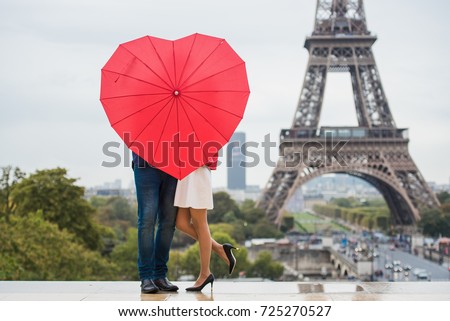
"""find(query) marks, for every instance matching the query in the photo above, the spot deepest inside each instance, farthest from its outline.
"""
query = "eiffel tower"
(375, 150)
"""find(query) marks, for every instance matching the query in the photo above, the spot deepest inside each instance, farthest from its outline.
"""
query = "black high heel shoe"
(209, 279)
(227, 247)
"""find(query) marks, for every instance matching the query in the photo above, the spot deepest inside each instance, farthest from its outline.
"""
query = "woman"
(193, 197)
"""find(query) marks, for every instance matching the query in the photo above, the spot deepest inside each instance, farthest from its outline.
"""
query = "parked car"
(407, 267)
(416, 271)
(422, 276)
(388, 266)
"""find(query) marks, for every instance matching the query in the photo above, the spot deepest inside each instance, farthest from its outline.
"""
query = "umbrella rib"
(134, 95)
(178, 127)
(174, 62)
(141, 80)
(149, 124)
(206, 120)
(168, 85)
(165, 124)
(216, 91)
(188, 57)
(217, 73)
(213, 106)
(204, 60)
(190, 122)
(162, 62)
(138, 111)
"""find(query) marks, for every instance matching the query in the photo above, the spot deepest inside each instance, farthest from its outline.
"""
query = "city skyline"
(51, 114)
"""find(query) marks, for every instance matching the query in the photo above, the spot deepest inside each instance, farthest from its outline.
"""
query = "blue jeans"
(155, 191)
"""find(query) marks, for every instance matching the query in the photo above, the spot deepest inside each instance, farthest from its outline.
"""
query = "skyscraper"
(235, 155)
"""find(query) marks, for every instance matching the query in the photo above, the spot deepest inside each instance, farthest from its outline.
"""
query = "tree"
(265, 230)
(34, 249)
(443, 197)
(223, 204)
(382, 222)
(256, 222)
(174, 265)
(125, 256)
(250, 213)
(8, 180)
(190, 261)
(435, 222)
(445, 208)
(60, 201)
(235, 230)
(287, 223)
(342, 202)
(115, 212)
(265, 267)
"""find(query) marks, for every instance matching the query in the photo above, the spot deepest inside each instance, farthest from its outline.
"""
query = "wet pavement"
(227, 291)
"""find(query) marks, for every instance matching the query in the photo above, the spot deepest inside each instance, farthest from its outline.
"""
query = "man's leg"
(147, 192)
(166, 225)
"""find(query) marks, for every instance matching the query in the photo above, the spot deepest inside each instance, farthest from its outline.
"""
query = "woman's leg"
(200, 224)
(184, 225)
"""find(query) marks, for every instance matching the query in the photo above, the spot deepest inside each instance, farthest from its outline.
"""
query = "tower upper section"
(334, 17)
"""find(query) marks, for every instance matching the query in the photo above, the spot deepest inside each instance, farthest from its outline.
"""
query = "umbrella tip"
(176, 92)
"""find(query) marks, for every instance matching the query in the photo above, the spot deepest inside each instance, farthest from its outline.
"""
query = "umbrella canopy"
(175, 103)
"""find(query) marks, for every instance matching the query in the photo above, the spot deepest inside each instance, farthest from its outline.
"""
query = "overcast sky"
(52, 52)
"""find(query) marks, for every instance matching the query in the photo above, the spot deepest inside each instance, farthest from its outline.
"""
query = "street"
(435, 271)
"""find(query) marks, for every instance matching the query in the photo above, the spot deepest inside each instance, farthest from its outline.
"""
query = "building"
(252, 192)
(236, 156)
(109, 189)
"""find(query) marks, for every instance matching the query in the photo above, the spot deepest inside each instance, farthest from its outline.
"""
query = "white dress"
(195, 190)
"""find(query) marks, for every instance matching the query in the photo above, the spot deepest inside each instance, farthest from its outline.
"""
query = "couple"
(166, 202)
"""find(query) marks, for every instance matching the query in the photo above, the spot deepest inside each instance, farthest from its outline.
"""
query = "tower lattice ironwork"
(375, 150)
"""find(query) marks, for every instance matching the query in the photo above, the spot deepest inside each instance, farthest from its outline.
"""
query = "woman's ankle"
(203, 276)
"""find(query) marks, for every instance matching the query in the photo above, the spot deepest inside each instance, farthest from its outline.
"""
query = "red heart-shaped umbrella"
(175, 103)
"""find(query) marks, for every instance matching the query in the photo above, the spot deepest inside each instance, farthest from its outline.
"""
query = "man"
(155, 191)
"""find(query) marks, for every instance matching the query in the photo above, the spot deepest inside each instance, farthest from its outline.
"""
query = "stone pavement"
(227, 290)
